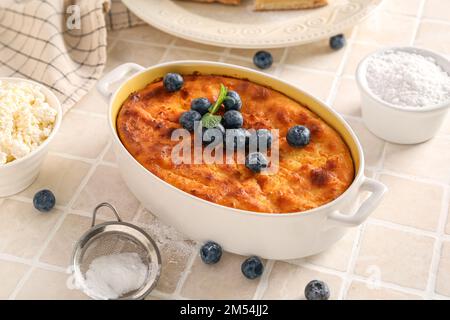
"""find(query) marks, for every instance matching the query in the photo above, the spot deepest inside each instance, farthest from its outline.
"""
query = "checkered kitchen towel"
(120, 17)
(59, 43)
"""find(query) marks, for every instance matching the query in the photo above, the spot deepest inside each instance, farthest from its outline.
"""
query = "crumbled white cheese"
(26, 119)
(407, 79)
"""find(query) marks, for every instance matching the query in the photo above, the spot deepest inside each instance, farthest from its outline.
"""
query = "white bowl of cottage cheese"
(405, 93)
(30, 116)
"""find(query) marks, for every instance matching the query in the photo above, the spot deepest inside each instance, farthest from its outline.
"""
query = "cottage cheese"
(26, 120)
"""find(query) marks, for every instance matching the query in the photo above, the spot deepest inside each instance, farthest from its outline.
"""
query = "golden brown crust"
(288, 4)
(307, 178)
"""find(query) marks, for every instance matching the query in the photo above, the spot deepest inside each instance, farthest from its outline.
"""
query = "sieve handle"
(101, 205)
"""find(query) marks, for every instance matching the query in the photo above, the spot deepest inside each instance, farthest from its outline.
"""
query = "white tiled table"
(406, 242)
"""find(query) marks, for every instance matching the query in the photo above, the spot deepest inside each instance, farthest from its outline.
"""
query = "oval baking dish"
(271, 236)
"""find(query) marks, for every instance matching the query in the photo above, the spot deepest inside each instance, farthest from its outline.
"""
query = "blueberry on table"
(201, 105)
(211, 252)
(298, 136)
(264, 138)
(317, 290)
(173, 82)
(233, 119)
(188, 119)
(44, 200)
(263, 59)
(232, 101)
(210, 135)
(252, 268)
(256, 162)
(337, 42)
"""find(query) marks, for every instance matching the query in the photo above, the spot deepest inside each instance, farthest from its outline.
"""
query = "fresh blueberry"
(256, 162)
(232, 101)
(252, 268)
(298, 136)
(264, 138)
(233, 119)
(201, 105)
(173, 82)
(337, 42)
(317, 290)
(263, 59)
(210, 135)
(188, 119)
(44, 200)
(210, 252)
(236, 139)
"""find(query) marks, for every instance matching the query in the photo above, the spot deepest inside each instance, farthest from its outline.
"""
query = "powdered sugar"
(168, 237)
(407, 79)
(112, 276)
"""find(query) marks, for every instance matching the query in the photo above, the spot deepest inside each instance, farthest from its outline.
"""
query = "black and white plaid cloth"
(59, 43)
(120, 17)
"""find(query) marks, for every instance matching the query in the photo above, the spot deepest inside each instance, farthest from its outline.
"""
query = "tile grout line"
(345, 286)
(424, 180)
(225, 55)
(89, 113)
(390, 286)
(111, 46)
(440, 297)
(437, 21)
(30, 263)
(353, 277)
(307, 69)
(264, 282)
(109, 164)
(402, 228)
(187, 271)
(437, 249)
(57, 225)
(160, 295)
(340, 70)
(282, 63)
(171, 44)
(169, 47)
(72, 157)
(358, 241)
(419, 18)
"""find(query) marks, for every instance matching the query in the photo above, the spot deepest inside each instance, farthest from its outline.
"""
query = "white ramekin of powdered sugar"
(405, 93)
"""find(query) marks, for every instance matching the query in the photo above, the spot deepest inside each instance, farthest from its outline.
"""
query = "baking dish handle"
(116, 75)
(377, 190)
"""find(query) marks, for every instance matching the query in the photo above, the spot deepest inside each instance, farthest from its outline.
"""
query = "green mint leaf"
(222, 96)
(210, 121)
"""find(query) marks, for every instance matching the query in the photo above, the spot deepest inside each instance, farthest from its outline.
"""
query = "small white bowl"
(19, 174)
(397, 124)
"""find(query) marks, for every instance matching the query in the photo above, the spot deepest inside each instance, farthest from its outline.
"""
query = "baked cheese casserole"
(307, 178)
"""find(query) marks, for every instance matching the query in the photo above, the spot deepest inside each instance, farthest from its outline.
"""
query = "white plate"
(241, 27)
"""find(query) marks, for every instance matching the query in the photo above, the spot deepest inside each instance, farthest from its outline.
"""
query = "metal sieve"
(113, 238)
